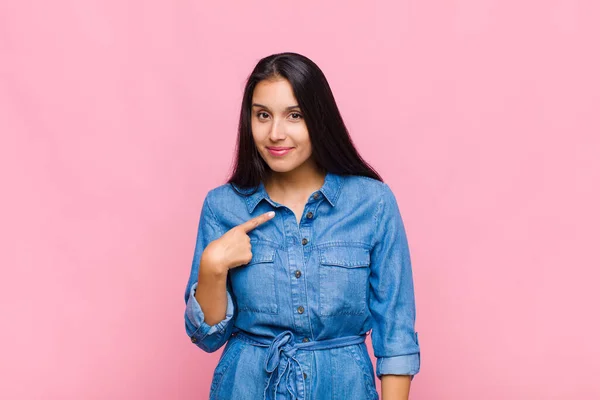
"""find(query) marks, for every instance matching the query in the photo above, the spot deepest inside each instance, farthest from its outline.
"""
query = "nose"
(277, 132)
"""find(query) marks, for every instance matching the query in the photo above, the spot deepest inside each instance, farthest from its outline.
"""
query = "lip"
(279, 151)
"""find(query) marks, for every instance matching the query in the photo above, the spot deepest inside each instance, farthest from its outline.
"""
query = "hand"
(233, 248)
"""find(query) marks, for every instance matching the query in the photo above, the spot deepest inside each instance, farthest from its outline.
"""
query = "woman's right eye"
(261, 113)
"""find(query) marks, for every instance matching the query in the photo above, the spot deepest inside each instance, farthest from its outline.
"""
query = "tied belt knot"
(281, 364)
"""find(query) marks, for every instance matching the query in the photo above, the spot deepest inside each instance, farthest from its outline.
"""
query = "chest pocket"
(343, 280)
(254, 282)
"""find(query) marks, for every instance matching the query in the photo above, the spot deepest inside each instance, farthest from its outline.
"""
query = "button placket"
(296, 265)
(305, 230)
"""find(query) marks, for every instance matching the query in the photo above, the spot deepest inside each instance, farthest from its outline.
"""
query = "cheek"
(305, 141)
(299, 133)
(306, 149)
(258, 131)
(308, 152)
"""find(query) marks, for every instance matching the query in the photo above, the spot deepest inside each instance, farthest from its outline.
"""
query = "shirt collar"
(330, 190)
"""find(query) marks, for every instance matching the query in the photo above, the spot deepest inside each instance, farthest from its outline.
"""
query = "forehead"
(274, 92)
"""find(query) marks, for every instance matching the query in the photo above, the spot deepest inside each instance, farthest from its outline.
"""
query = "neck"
(293, 184)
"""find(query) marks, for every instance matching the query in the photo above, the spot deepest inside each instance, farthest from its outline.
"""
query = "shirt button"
(305, 339)
(300, 310)
(298, 274)
(194, 340)
(304, 375)
(309, 215)
(304, 241)
(316, 196)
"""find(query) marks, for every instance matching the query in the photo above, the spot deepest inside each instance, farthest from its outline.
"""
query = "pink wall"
(117, 117)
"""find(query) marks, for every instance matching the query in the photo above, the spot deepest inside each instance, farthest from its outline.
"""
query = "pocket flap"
(262, 254)
(345, 256)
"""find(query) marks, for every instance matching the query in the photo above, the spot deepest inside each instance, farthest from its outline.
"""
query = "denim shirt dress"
(299, 311)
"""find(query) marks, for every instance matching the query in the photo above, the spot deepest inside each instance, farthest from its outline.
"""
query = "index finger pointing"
(256, 221)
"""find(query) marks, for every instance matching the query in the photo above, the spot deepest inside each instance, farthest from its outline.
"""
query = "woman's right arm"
(209, 312)
(211, 292)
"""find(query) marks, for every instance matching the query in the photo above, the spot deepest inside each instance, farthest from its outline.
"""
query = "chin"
(283, 167)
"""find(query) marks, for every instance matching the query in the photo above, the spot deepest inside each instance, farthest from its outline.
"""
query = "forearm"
(395, 387)
(211, 292)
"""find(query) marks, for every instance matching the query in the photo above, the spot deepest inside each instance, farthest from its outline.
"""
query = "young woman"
(301, 254)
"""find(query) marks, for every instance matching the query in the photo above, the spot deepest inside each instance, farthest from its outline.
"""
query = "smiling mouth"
(279, 151)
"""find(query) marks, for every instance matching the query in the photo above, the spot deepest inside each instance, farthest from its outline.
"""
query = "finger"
(256, 221)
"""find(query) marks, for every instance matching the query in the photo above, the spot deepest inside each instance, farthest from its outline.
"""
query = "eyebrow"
(287, 108)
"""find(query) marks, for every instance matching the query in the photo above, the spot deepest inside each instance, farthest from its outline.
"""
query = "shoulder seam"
(378, 213)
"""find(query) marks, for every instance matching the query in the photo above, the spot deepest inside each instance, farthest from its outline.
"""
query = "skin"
(395, 387)
(276, 121)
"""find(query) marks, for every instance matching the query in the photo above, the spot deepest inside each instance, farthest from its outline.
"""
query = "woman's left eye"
(298, 114)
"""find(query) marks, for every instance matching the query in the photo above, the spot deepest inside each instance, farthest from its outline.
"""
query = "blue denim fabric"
(298, 312)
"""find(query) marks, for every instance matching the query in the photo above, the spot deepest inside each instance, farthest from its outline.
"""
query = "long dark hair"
(332, 148)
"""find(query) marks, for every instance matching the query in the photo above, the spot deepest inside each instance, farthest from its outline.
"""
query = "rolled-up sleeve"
(207, 337)
(392, 298)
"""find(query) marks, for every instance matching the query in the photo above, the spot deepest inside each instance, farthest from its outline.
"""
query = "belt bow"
(280, 365)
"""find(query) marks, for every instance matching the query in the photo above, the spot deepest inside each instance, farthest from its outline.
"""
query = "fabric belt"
(281, 365)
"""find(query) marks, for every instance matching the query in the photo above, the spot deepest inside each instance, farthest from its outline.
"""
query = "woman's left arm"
(395, 387)
(392, 301)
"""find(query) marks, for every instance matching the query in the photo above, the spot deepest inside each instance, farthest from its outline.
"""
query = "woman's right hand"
(233, 248)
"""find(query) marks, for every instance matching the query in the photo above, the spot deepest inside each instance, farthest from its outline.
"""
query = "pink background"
(117, 117)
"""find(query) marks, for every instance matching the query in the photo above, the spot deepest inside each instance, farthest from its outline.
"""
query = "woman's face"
(278, 126)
